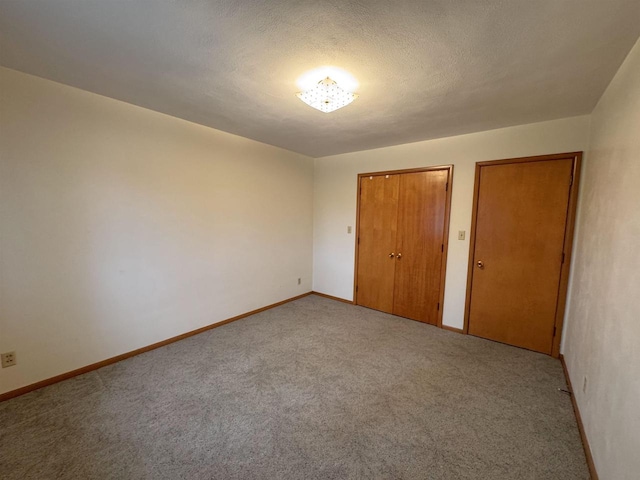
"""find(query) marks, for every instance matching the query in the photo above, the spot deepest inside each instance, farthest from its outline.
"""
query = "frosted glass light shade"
(327, 96)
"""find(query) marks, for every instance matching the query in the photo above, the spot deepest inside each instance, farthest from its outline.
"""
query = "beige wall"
(335, 196)
(602, 341)
(121, 227)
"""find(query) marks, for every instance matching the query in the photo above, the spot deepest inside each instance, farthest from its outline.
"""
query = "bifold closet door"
(377, 241)
(401, 230)
(420, 244)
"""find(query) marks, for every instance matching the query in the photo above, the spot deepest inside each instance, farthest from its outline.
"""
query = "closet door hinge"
(571, 180)
(554, 331)
(442, 247)
(562, 257)
(438, 306)
(446, 187)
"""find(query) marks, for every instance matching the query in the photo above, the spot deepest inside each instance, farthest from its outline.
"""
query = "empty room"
(320, 239)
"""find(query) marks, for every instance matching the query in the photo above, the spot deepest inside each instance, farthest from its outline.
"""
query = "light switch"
(461, 234)
(349, 229)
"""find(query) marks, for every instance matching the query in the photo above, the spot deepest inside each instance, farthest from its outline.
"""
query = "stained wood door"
(521, 219)
(377, 241)
(420, 245)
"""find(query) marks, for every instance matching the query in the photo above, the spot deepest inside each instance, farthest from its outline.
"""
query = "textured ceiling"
(427, 69)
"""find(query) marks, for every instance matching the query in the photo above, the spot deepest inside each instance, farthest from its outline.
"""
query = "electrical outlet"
(349, 229)
(461, 234)
(8, 359)
(299, 281)
(584, 385)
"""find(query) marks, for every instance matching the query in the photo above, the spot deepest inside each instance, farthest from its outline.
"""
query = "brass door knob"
(391, 255)
(480, 264)
(399, 256)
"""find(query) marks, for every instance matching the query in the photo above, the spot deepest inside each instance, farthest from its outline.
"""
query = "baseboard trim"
(453, 329)
(338, 299)
(583, 435)
(94, 366)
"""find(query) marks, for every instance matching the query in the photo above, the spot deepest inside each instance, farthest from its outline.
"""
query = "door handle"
(391, 255)
(399, 256)
(480, 264)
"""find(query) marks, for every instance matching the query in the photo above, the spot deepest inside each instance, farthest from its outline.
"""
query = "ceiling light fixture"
(327, 96)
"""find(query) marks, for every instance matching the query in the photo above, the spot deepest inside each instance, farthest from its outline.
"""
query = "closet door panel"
(377, 241)
(421, 226)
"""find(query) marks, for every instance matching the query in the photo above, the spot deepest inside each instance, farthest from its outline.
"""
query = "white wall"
(335, 196)
(121, 227)
(602, 341)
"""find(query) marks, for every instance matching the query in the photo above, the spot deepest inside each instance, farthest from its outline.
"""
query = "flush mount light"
(327, 96)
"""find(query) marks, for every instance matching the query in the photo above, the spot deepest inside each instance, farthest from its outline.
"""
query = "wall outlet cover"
(8, 359)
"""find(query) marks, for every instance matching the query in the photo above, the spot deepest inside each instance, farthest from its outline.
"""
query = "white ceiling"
(427, 69)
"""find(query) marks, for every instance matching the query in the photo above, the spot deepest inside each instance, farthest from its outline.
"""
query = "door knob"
(391, 255)
(480, 264)
(399, 256)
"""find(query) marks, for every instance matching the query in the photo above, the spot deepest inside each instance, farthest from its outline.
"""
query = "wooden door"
(520, 225)
(420, 246)
(377, 241)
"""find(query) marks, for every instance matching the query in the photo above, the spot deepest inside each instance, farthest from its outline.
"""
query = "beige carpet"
(314, 389)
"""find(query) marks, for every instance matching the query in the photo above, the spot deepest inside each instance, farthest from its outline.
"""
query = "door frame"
(447, 215)
(576, 157)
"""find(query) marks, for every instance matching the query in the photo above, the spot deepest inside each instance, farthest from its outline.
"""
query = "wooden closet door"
(377, 241)
(521, 219)
(421, 227)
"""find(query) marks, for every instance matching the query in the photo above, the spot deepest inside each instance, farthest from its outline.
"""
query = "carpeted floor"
(313, 389)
